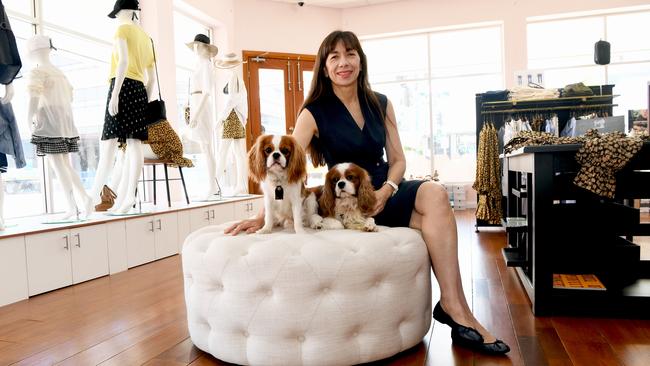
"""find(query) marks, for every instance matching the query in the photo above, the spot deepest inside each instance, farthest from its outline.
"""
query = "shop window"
(433, 93)
(565, 50)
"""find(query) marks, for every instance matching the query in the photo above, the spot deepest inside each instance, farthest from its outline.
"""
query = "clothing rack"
(498, 112)
(550, 109)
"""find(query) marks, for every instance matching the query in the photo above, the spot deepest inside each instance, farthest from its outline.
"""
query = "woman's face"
(342, 66)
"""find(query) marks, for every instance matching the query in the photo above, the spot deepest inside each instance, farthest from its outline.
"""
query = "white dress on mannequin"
(237, 103)
(201, 127)
(53, 130)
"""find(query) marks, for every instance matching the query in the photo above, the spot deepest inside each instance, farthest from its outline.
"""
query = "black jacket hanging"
(10, 63)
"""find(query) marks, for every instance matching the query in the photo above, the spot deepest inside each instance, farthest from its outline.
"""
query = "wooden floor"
(138, 317)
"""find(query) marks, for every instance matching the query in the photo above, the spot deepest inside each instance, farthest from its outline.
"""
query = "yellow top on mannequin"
(140, 52)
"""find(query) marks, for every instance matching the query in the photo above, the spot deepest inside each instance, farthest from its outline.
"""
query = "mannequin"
(201, 126)
(53, 130)
(127, 100)
(233, 119)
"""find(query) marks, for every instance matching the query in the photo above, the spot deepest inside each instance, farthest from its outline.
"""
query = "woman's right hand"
(249, 226)
(113, 105)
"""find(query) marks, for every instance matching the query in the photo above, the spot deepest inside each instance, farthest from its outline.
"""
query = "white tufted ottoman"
(337, 297)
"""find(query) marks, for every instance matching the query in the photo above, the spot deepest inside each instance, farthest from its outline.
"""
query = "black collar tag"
(279, 193)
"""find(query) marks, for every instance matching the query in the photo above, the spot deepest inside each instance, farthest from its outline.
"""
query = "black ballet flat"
(469, 337)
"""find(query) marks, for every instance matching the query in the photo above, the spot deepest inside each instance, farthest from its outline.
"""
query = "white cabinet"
(89, 253)
(140, 236)
(246, 209)
(60, 258)
(13, 270)
(166, 235)
(184, 227)
(117, 253)
(211, 215)
(150, 238)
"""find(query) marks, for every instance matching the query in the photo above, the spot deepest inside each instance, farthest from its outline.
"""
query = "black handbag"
(156, 110)
(10, 63)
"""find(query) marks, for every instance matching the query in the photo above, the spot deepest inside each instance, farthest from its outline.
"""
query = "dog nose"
(341, 185)
(276, 155)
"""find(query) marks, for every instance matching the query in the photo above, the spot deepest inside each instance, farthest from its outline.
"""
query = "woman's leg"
(434, 216)
(107, 150)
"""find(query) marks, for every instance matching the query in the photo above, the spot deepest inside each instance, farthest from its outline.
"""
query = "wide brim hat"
(39, 42)
(204, 40)
(124, 4)
(228, 61)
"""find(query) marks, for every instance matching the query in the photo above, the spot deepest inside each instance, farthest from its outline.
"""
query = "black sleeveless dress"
(341, 141)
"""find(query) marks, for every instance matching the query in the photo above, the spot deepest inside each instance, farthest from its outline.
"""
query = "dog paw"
(370, 227)
(300, 231)
(264, 230)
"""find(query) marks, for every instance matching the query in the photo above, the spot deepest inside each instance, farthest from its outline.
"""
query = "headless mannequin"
(9, 94)
(60, 163)
(235, 87)
(200, 120)
(133, 160)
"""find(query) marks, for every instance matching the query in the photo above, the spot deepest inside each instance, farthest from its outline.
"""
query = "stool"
(336, 297)
(153, 163)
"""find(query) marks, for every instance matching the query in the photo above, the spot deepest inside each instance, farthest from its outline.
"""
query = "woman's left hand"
(382, 195)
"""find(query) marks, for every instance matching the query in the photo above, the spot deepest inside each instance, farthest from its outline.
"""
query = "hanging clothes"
(10, 143)
(236, 110)
(600, 157)
(488, 177)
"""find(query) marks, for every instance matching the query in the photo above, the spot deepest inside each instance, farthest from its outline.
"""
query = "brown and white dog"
(279, 164)
(348, 199)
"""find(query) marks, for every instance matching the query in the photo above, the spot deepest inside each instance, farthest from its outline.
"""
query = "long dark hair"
(322, 86)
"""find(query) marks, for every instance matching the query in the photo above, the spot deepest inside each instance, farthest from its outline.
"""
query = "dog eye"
(349, 177)
(268, 150)
(285, 151)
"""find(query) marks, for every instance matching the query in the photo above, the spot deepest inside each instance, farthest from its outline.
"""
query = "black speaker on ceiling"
(602, 52)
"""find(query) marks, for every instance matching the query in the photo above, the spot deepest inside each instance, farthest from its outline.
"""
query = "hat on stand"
(124, 4)
(38, 42)
(204, 40)
(228, 61)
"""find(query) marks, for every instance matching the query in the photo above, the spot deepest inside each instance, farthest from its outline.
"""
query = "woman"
(343, 120)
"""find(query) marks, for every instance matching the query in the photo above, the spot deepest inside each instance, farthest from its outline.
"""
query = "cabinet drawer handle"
(212, 213)
(159, 225)
(207, 218)
(78, 236)
(67, 243)
(151, 223)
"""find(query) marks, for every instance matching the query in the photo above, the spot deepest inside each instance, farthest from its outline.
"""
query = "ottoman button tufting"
(319, 285)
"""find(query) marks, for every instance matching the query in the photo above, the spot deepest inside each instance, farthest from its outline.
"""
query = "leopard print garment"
(232, 127)
(600, 157)
(488, 177)
(166, 144)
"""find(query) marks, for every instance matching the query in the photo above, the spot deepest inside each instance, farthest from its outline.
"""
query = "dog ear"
(327, 200)
(257, 161)
(297, 163)
(366, 194)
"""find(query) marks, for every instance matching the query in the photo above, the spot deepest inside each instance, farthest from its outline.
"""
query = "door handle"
(299, 78)
(78, 236)
(67, 243)
(289, 74)
(159, 225)
(151, 223)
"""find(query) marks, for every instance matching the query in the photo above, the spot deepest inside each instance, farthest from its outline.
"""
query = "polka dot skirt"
(130, 121)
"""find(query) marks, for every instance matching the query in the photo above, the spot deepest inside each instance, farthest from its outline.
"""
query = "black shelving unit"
(562, 229)
(498, 112)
